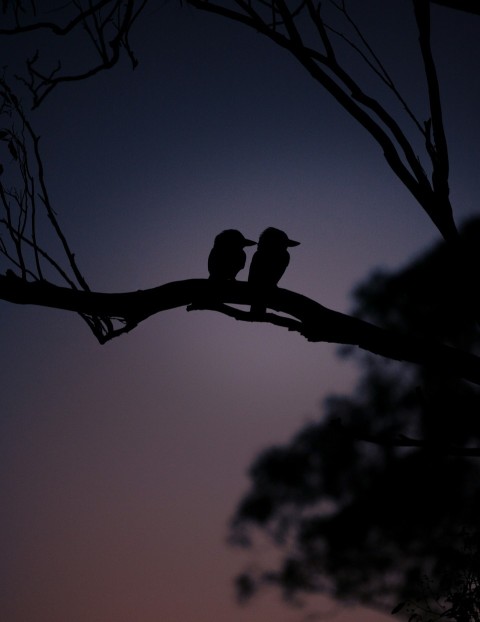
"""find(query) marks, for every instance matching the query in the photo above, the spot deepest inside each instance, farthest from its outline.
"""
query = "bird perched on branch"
(268, 264)
(227, 256)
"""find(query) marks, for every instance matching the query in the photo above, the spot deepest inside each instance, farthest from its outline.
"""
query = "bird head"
(275, 238)
(233, 237)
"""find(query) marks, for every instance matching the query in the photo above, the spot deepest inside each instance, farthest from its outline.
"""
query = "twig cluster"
(106, 24)
(29, 228)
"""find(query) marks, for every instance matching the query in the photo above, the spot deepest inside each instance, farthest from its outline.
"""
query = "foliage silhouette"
(362, 520)
(457, 597)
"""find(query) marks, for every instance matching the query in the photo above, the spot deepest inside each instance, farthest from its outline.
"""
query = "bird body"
(269, 263)
(227, 256)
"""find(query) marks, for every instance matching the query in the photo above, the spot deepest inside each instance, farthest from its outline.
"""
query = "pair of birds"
(269, 262)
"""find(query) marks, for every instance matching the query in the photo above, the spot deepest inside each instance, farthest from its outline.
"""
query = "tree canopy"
(375, 494)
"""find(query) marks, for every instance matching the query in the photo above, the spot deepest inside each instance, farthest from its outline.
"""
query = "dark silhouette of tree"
(356, 517)
(373, 496)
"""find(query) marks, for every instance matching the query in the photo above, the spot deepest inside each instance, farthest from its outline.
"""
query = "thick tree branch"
(314, 321)
(401, 440)
(446, 450)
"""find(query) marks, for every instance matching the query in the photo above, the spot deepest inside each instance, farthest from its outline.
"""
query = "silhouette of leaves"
(365, 521)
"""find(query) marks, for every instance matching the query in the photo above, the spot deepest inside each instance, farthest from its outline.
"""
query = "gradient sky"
(121, 464)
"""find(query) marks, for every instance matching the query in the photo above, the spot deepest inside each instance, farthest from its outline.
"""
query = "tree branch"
(55, 27)
(401, 440)
(365, 109)
(23, 189)
(312, 320)
(438, 150)
(470, 6)
(107, 24)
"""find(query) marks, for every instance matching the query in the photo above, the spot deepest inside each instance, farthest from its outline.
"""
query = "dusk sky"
(121, 465)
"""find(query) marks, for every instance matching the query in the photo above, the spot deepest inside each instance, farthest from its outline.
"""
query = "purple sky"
(121, 464)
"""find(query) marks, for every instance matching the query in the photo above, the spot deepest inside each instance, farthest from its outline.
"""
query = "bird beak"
(292, 243)
(249, 242)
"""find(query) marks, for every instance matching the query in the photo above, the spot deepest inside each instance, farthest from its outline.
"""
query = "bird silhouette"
(227, 256)
(268, 264)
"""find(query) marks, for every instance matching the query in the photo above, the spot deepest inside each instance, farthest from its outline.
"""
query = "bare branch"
(314, 321)
(246, 316)
(54, 27)
(26, 192)
(107, 25)
(365, 109)
(377, 65)
(438, 150)
(469, 6)
(315, 16)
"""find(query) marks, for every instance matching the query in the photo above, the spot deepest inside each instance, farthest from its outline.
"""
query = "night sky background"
(120, 465)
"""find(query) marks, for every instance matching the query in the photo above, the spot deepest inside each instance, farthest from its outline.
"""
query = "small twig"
(247, 316)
